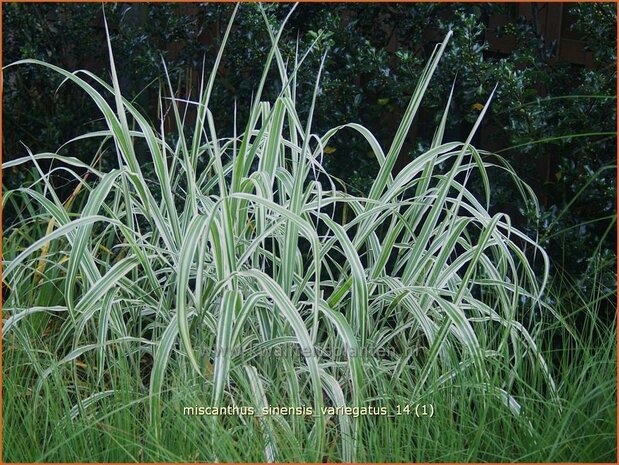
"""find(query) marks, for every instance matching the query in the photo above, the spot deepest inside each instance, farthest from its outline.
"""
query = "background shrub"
(375, 54)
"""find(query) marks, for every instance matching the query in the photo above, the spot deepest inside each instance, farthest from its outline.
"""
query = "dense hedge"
(375, 53)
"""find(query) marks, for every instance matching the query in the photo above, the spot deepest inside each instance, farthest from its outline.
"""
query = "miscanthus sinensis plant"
(204, 276)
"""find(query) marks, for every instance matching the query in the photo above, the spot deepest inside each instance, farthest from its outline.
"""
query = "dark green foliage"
(375, 53)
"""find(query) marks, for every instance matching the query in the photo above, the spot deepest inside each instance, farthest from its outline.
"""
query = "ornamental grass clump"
(207, 278)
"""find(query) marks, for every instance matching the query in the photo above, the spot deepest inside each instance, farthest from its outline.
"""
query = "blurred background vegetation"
(553, 116)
